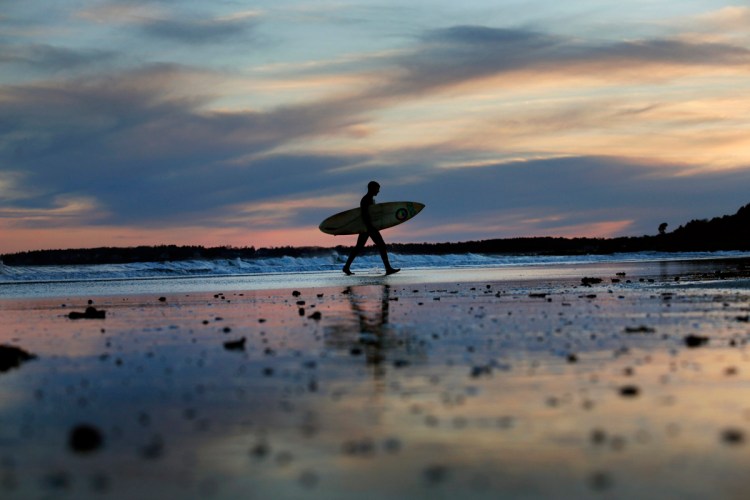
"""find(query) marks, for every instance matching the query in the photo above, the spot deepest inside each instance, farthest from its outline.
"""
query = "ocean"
(311, 271)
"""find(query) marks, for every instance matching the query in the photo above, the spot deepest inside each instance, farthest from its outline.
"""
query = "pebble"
(695, 340)
(85, 438)
(91, 312)
(12, 357)
(629, 391)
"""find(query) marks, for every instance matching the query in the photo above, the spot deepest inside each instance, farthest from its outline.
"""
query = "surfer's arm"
(364, 206)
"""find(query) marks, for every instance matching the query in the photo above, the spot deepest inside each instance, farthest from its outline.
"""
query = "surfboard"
(382, 215)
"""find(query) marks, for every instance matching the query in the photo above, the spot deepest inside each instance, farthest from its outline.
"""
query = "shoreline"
(648, 269)
(526, 386)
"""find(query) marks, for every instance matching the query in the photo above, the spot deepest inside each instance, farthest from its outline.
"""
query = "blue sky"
(126, 122)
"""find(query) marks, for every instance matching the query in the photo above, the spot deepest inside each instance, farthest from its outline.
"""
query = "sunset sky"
(128, 122)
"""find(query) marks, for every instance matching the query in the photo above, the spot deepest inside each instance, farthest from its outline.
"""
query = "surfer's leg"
(361, 241)
(380, 243)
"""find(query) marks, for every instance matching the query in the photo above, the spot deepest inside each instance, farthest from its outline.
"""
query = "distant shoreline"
(727, 233)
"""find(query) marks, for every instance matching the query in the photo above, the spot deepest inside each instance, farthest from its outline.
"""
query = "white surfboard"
(382, 215)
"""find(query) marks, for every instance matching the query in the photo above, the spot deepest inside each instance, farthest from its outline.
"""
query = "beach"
(613, 380)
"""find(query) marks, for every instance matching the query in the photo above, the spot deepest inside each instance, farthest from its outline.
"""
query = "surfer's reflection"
(368, 333)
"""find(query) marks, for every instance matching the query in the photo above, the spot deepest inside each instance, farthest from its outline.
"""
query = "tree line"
(729, 232)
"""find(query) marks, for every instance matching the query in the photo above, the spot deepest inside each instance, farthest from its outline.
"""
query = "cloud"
(49, 57)
(149, 152)
(198, 30)
(455, 55)
(147, 147)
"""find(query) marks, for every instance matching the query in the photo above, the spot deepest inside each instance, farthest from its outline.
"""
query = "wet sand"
(402, 387)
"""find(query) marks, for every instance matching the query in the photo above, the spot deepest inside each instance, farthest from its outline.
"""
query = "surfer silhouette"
(373, 188)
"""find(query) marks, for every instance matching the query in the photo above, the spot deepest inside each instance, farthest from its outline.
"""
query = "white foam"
(326, 262)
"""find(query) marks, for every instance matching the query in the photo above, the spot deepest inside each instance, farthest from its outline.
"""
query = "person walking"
(373, 188)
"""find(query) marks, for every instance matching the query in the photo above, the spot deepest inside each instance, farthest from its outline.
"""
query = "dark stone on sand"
(300, 302)
(629, 391)
(392, 445)
(733, 436)
(301, 311)
(355, 351)
(235, 345)
(590, 281)
(537, 295)
(572, 358)
(316, 315)
(743, 319)
(226, 329)
(401, 363)
(296, 293)
(598, 436)
(695, 340)
(478, 371)
(90, 313)
(162, 299)
(364, 447)
(12, 357)
(600, 481)
(308, 479)
(85, 438)
(435, 474)
(260, 450)
(639, 329)
(154, 449)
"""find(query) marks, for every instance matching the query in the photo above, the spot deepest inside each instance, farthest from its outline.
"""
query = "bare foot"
(390, 271)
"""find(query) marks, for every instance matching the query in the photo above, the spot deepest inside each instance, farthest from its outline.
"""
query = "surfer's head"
(373, 188)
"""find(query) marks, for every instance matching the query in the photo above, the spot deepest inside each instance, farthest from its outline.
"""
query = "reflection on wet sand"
(479, 390)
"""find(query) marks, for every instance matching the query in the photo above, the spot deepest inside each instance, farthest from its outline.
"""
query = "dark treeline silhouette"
(730, 232)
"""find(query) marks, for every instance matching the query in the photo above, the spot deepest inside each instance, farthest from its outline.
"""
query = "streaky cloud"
(459, 54)
(198, 31)
(51, 58)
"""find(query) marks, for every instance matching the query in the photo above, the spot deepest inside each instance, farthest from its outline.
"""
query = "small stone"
(162, 299)
(90, 313)
(435, 474)
(639, 329)
(316, 315)
(629, 391)
(235, 345)
(600, 481)
(590, 281)
(85, 438)
(733, 436)
(12, 357)
(695, 340)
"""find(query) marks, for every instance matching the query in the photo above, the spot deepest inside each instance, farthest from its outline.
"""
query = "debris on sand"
(12, 357)
(733, 436)
(639, 329)
(85, 438)
(90, 313)
(629, 391)
(235, 345)
(590, 281)
(695, 340)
